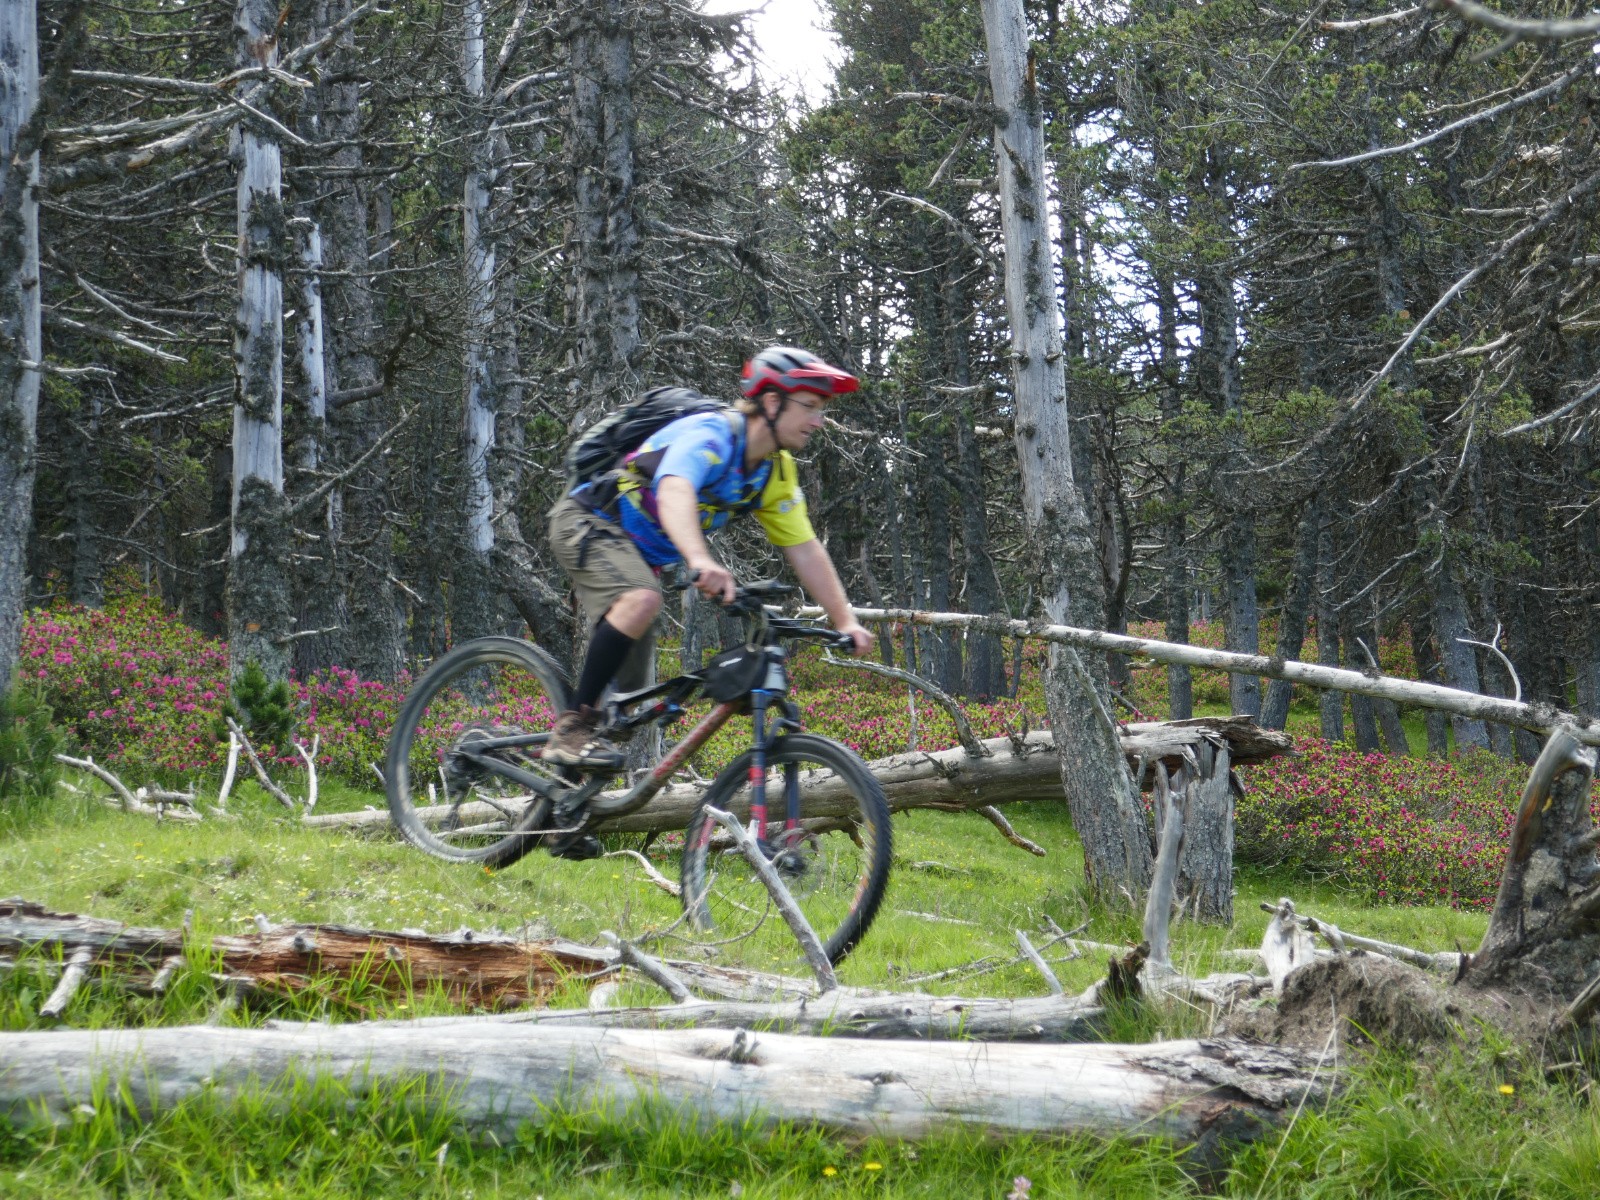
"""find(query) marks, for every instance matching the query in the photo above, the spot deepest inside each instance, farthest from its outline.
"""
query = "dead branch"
(810, 944)
(105, 776)
(992, 814)
(1039, 965)
(310, 757)
(1342, 941)
(1517, 27)
(1404, 691)
(969, 740)
(276, 792)
(71, 980)
(228, 775)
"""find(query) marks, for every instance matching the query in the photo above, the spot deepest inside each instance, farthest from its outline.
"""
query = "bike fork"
(758, 765)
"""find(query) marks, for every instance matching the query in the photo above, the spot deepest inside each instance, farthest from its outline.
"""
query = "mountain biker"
(613, 534)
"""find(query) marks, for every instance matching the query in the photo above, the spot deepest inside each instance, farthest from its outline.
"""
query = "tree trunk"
(1105, 808)
(259, 596)
(321, 596)
(1362, 717)
(951, 780)
(1221, 386)
(606, 322)
(1330, 704)
(1544, 929)
(1292, 619)
(1175, 556)
(472, 595)
(374, 637)
(1458, 661)
(1428, 670)
(985, 674)
(88, 582)
(1206, 864)
(21, 342)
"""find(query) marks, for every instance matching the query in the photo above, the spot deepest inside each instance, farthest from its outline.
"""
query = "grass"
(1442, 1128)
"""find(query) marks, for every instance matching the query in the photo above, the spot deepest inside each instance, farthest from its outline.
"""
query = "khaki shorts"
(603, 563)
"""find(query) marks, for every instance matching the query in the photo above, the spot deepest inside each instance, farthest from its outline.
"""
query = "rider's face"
(798, 419)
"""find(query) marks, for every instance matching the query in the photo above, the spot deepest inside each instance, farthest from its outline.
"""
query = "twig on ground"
(655, 876)
(1039, 965)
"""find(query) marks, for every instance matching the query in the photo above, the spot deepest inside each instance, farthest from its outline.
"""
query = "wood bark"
(259, 607)
(21, 344)
(1206, 880)
(372, 644)
(501, 1076)
(602, 132)
(1175, 555)
(1544, 929)
(472, 598)
(1105, 808)
(1221, 386)
(1292, 618)
(985, 673)
(1012, 771)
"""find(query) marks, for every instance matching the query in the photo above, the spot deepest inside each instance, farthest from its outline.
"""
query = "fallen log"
(842, 1012)
(491, 970)
(1014, 769)
(500, 1076)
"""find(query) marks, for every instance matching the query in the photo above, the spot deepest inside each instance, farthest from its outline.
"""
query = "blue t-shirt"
(706, 449)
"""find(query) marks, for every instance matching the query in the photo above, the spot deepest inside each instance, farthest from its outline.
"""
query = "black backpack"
(603, 445)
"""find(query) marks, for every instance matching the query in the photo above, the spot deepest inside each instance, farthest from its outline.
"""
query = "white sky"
(797, 56)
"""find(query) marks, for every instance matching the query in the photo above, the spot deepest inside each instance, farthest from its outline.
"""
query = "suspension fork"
(760, 743)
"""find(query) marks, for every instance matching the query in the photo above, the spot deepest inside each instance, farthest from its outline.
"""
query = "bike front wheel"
(488, 703)
(835, 865)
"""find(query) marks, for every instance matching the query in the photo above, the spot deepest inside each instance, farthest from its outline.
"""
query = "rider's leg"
(621, 596)
(625, 622)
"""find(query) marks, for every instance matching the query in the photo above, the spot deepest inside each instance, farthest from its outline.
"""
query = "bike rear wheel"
(492, 700)
(836, 865)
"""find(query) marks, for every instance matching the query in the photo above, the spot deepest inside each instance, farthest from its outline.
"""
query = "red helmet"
(790, 370)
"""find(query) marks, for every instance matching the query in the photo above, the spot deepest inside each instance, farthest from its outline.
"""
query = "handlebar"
(750, 599)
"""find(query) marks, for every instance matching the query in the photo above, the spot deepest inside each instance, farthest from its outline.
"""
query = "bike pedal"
(577, 847)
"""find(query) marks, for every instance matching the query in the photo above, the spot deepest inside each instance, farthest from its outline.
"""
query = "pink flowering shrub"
(1398, 830)
(141, 691)
(130, 683)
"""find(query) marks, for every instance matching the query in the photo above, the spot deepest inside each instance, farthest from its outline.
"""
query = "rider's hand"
(714, 579)
(863, 639)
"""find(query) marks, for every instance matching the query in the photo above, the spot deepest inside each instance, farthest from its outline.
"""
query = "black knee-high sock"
(608, 649)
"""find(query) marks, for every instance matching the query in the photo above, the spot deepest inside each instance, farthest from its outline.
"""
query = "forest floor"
(1481, 1122)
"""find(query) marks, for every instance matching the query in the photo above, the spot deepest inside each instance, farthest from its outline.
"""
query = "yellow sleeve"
(782, 511)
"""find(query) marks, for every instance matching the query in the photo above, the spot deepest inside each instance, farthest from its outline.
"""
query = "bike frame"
(773, 690)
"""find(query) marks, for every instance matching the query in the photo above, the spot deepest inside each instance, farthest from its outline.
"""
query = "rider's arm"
(814, 568)
(678, 509)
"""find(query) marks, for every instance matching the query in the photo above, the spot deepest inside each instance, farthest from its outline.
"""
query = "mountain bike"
(467, 744)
